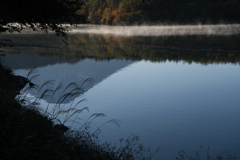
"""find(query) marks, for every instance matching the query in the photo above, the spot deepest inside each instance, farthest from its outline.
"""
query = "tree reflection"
(199, 49)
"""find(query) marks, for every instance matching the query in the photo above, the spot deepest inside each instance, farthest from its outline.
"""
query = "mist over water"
(158, 30)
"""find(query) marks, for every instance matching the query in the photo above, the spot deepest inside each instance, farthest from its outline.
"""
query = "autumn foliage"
(113, 11)
(162, 11)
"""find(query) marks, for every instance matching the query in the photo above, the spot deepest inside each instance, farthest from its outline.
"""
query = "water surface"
(175, 87)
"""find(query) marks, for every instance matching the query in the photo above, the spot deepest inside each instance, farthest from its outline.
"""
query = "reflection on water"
(175, 92)
(67, 73)
(172, 105)
(200, 49)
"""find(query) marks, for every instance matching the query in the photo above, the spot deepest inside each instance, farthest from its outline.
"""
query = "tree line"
(161, 11)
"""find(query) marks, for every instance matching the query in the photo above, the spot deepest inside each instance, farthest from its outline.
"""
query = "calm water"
(176, 88)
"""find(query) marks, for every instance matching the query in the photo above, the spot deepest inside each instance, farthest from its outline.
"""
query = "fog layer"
(159, 30)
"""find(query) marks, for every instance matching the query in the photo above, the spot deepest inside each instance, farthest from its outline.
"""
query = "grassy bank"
(27, 133)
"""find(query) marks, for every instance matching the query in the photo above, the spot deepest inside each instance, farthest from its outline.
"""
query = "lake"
(176, 87)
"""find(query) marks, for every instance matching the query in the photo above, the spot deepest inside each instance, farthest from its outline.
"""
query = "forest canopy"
(161, 11)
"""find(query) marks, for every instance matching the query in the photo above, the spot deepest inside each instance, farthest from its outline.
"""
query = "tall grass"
(222, 156)
(28, 132)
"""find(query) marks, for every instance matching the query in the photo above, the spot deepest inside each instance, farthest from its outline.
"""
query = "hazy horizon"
(158, 30)
(148, 30)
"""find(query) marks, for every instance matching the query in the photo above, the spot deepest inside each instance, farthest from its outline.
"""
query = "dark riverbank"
(27, 134)
(11, 82)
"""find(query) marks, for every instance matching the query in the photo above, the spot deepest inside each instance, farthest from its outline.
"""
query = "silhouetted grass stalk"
(222, 156)
(82, 136)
